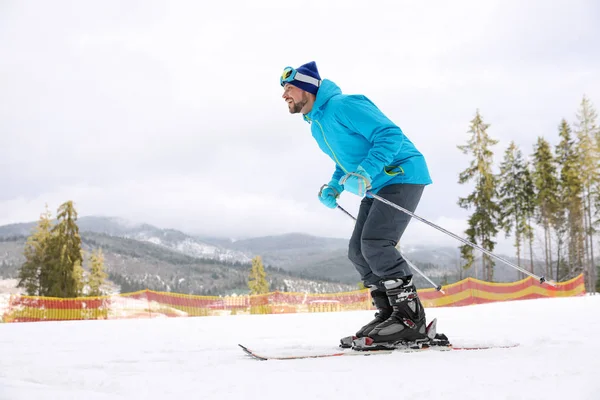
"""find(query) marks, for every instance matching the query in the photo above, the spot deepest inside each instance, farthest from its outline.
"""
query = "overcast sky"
(170, 112)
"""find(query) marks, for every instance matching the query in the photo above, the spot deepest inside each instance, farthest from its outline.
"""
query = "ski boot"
(384, 310)
(407, 321)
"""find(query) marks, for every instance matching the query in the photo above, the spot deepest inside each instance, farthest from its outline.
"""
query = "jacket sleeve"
(359, 114)
(337, 175)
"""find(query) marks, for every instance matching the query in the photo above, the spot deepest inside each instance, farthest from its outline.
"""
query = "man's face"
(296, 98)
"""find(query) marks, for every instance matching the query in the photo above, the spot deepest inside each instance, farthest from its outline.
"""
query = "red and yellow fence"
(150, 304)
(473, 291)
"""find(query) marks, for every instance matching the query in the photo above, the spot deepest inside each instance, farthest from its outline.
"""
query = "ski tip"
(251, 353)
(246, 350)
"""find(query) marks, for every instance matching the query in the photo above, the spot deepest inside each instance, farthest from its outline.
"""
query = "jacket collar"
(327, 90)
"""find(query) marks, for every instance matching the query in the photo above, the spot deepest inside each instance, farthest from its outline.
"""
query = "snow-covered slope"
(558, 357)
(188, 245)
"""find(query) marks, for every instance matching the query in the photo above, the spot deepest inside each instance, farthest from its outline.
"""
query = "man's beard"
(295, 108)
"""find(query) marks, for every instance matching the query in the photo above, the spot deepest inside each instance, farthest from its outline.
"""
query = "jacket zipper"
(330, 149)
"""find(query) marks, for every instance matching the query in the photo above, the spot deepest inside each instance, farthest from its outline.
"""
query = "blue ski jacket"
(353, 131)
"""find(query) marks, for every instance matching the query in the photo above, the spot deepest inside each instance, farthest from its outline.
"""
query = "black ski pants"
(378, 229)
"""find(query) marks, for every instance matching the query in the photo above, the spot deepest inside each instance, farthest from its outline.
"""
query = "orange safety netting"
(150, 304)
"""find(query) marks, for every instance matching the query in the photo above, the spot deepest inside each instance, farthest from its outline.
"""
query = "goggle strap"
(307, 79)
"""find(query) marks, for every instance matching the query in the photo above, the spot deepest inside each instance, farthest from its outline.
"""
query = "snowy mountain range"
(139, 255)
(119, 227)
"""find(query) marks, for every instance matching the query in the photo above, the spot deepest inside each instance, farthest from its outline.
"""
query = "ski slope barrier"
(151, 304)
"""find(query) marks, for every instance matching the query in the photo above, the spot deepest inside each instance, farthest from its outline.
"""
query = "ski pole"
(489, 253)
(437, 287)
(346, 212)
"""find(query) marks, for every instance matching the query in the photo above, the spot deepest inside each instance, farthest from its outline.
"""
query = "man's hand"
(329, 193)
(357, 182)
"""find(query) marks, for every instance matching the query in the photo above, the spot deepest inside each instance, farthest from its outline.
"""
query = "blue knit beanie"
(311, 70)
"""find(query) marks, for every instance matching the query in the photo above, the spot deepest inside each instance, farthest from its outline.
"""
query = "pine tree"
(589, 156)
(59, 279)
(482, 223)
(97, 276)
(36, 258)
(515, 197)
(257, 281)
(571, 195)
(529, 210)
(546, 200)
(78, 277)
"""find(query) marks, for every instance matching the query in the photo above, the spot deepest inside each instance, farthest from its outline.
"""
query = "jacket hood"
(327, 90)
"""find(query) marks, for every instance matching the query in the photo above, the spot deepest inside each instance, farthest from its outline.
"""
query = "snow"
(194, 248)
(9, 286)
(558, 357)
(154, 240)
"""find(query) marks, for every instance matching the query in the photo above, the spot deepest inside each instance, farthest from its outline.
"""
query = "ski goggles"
(290, 74)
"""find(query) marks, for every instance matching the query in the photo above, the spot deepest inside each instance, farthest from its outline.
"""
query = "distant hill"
(136, 265)
(142, 256)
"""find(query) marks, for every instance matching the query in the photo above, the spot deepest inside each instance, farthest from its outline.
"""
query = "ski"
(369, 352)
(440, 342)
(364, 346)
(263, 357)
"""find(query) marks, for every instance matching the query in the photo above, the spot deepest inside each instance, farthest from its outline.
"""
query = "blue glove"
(329, 193)
(357, 182)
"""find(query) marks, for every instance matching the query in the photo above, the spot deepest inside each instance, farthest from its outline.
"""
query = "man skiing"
(371, 155)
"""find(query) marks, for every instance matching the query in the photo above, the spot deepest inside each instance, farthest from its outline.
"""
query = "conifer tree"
(529, 207)
(97, 275)
(589, 155)
(59, 279)
(36, 256)
(571, 196)
(78, 276)
(515, 197)
(483, 221)
(546, 200)
(257, 281)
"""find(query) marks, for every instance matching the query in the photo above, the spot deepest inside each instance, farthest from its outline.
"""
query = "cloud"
(171, 113)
